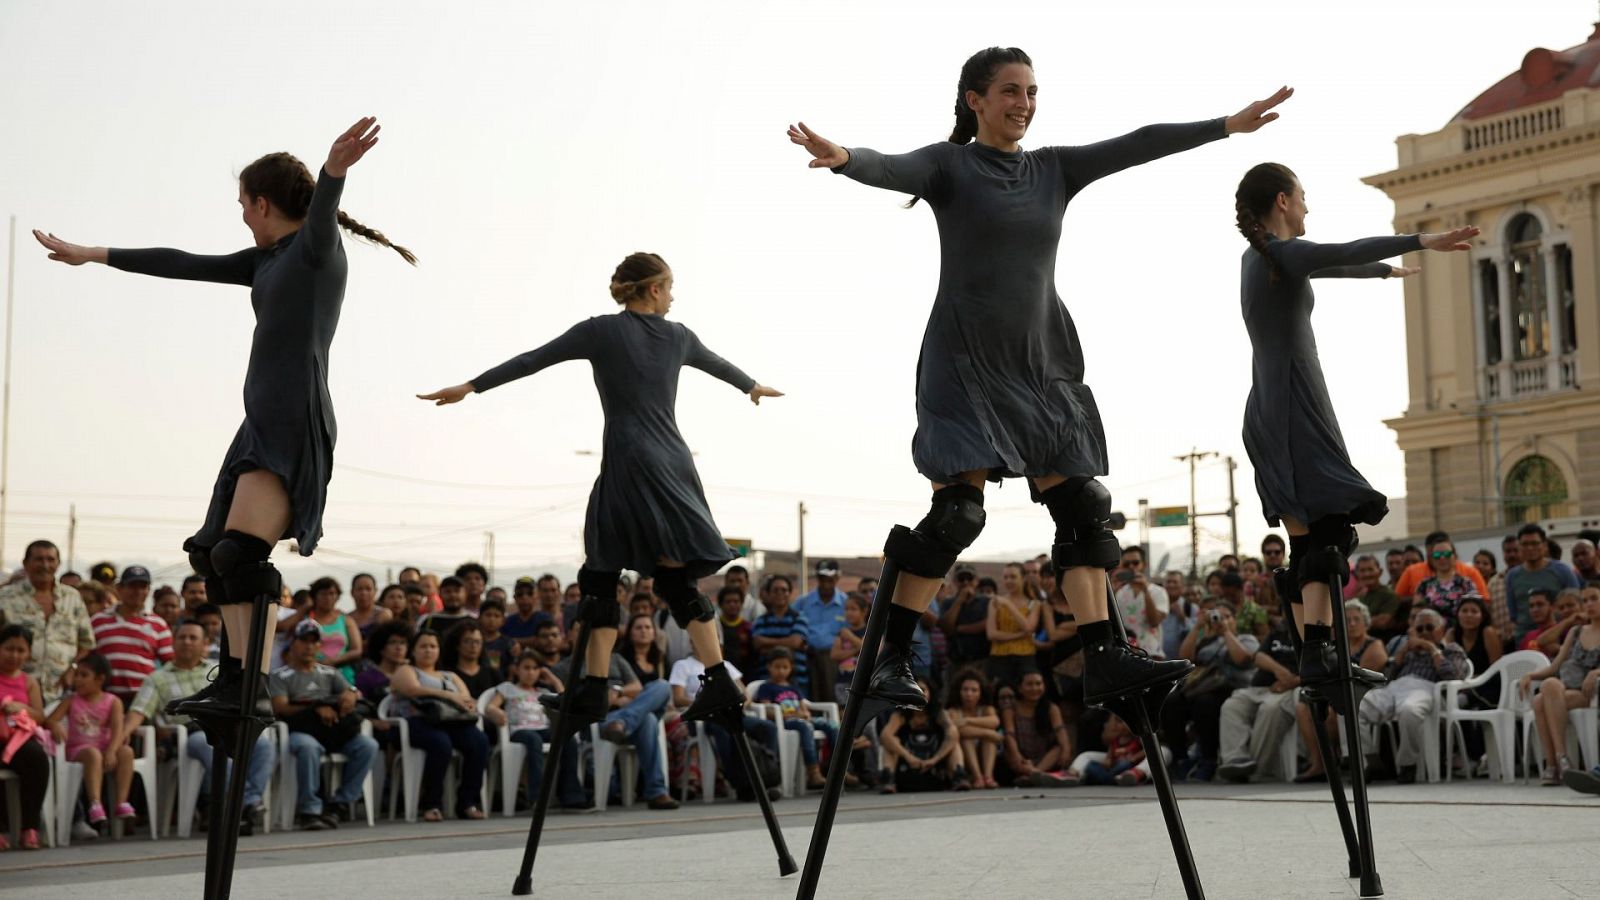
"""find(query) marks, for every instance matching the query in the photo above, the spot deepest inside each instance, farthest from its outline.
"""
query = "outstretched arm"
(575, 344)
(719, 368)
(1299, 258)
(231, 268)
(1370, 270)
(916, 172)
(320, 233)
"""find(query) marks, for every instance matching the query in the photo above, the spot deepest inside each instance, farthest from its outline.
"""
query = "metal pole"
(5, 414)
(1144, 527)
(72, 535)
(803, 566)
(1494, 430)
(1233, 508)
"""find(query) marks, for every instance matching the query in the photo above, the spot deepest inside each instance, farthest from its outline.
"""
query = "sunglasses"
(1443, 554)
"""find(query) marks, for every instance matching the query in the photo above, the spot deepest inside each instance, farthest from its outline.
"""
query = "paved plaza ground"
(1461, 841)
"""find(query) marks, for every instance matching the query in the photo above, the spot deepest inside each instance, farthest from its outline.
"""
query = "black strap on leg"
(599, 607)
(1081, 510)
(683, 596)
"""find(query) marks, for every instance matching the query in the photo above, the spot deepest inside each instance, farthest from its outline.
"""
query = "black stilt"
(562, 730)
(233, 739)
(1142, 710)
(1351, 690)
(849, 726)
(734, 722)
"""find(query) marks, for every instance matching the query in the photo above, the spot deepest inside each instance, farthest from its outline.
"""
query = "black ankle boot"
(223, 701)
(225, 681)
(894, 681)
(1319, 663)
(590, 701)
(1112, 669)
(718, 696)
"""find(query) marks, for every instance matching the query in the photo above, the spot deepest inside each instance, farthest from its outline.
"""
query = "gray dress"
(1302, 467)
(647, 502)
(1000, 377)
(296, 290)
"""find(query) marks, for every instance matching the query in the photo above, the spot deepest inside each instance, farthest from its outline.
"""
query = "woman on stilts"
(647, 511)
(274, 478)
(1000, 391)
(1303, 471)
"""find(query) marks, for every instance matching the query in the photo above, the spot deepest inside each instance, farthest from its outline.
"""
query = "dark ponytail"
(976, 75)
(1257, 194)
(287, 184)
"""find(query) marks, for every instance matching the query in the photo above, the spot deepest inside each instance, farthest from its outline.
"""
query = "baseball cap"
(526, 581)
(102, 572)
(965, 569)
(828, 568)
(135, 575)
(308, 629)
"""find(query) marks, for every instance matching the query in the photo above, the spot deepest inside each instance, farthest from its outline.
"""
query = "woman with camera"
(1225, 661)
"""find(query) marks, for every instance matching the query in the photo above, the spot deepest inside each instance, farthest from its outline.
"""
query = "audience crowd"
(446, 666)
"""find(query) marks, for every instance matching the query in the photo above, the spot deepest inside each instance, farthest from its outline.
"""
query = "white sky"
(527, 148)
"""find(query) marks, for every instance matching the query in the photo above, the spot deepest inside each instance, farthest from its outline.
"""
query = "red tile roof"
(1544, 76)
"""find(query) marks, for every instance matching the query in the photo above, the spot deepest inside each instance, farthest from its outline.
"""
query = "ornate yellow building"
(1503, 343)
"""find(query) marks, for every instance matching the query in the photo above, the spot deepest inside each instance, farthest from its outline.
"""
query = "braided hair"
(635, 274)
(1258, 192)
(977, 73)
(287, 184)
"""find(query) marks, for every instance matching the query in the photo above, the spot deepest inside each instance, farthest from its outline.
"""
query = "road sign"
(1168, 516)
(741, 546)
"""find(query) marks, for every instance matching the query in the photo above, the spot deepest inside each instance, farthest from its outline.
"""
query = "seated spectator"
(685, 682)
(1483, 647)
(797, 717)
(1566, 684)
(1534, 571)
(1447, 582)
(1142, 604)
(462, 653)
(1013, 618)
(1060, 650)
(1417, 660)
(421, 684)
(1255, 616)
(1442, 567)
(1394, 566)
(1566, 615)
(188, 672)
(1256, 718)
(1123, 754)
(523, 621)
(97, 597)
(634, 719)
(209, 617)
(167, 606)
(1227, 662)
(499, 649)
(453, 603)
(24, 733)
(1382, 604)
(1037, 743)
(738, 639)
(319, 707)
(416, 602)
(516, 707)
(93, 718)
(640, 649)
(1367, 652)
(977, 725)
(847, 645)
(922, 749)
(963, 617)
(1541, 616)
(388, 648)
(368, 612)
(782, 626)
(1180, 617)
(341, 640)
(131, 640)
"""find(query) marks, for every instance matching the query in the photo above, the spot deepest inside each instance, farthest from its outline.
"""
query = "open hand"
(761, 390)
(1257, 114)
(348, 149)
(1403, 271)
(1450, 240)
(71, 254)
(828, 155)
(449, 395)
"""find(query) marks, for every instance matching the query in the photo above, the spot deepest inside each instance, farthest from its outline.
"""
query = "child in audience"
(796, 713)
(978, 724)
(94, 721)
(498, 649)
(921, 751)
(1123, 753)
(26, 745)
(847, 645)
(515, 706)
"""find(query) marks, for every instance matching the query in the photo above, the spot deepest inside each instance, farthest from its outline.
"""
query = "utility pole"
(1144, 528)
(488, 557)
(72, 535)
(1193, 457)
(1233, 508)
(802, 513)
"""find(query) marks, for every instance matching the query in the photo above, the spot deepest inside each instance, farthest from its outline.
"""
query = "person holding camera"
(1225, 661)
(1143, 604)
(1417, 660)
(319, 706)
(964, 618)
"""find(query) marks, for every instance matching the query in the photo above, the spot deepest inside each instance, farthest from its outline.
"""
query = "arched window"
(1527, 314)
(1529, 317)
(1535, 490)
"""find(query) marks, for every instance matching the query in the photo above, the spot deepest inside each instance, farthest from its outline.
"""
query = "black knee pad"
(953, 522)
(240, 560)
(599, 607)
(200, 561)
(683, 597)
(1081, 509)
(1327, 550)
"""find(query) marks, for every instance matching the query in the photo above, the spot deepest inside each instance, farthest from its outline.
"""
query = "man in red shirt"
(132, 640)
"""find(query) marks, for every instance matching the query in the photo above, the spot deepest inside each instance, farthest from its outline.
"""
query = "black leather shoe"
(1112, 669)
(590, 700)
(223, 703)
(226, 679)
(1320, 663)
(718, 696)
(893, 681)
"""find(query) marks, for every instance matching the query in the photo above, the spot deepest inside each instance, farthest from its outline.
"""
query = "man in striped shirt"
(132, 640)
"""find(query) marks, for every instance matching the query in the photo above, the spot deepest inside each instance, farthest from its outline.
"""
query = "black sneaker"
(718, 695)
(893, 681)
(1581, 781)
(309, 822)
(590, 700)
(225, 681)
(1112, 669)
(1238, 771)
(223, 703)
(341, 812)
(330, 819)
(248, 819)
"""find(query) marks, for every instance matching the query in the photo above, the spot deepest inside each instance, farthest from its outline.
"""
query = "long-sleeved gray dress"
(1290, 432)
(1000, 377)
(647, 502)
(296, 289)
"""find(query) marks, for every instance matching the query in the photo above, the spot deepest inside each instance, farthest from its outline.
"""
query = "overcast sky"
(526, 148)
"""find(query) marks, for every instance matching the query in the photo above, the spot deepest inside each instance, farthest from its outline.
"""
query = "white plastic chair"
(1582, 740)
(790, 763)
(288, 780)
(1585, 729)
(1500, 721)
(507, 759)
(69, 781)
(1429, 763)
(626, 759)
(411, 760)
(708, 764)
(11, 784)
(182, 779)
